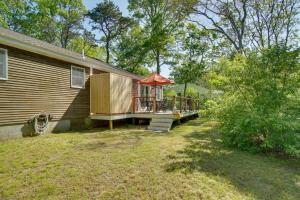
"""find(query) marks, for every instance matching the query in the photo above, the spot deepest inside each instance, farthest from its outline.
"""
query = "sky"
(122, 4)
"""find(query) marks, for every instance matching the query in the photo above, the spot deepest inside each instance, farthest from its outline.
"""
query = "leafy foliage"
(257, 111)
(191, 58)
(12, 13)
(160, 19)
(57, 22)
(107, 18)
(169, 93)
(250, 24)
(87, 42)
(130, 52)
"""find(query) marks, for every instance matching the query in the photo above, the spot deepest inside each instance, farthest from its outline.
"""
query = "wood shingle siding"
(37, 83)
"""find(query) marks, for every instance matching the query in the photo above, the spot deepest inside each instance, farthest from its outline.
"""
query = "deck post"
(174, 104)
(133, 104)
(154, 105)
(198, 102)
(180, 102)
(192, 104)
(111, 124)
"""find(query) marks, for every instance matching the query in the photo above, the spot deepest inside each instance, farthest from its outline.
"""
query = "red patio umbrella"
(155, 79)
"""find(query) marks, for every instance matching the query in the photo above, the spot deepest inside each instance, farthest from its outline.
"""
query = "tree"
(13, 14)
(86, 42)
(70, 18)
(193, 49)
(107, 18)
(273, 22)
(249, 24)
(224, 17)
(160, 18)
(130, 53)
(57, 22)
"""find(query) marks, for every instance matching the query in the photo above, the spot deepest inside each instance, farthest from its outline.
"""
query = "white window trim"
(77, 87)
(6, 64)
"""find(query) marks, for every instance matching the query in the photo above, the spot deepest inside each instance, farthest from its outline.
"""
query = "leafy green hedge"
(260, 106)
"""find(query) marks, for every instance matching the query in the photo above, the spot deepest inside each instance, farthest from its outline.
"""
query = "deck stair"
(160, 124)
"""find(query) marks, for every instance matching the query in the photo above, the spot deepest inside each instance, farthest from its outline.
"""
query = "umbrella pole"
(155, 90)
(154, 106)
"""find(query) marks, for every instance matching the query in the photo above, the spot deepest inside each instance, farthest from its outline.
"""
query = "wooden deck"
(161, 113)
(174, 116)
(156, 119)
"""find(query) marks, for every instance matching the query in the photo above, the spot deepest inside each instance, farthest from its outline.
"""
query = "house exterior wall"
(40, 84)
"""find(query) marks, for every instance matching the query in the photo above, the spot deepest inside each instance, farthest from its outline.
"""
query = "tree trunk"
(157, 62)
(184, 90)
(107, 51)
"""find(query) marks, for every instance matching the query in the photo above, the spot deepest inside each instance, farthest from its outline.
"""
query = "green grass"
(190, 162)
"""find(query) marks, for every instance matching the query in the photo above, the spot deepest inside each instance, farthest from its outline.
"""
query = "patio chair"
(149, 106)
(164, 105)
(140, 108)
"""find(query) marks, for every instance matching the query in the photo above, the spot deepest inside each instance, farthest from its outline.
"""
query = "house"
(36, 76)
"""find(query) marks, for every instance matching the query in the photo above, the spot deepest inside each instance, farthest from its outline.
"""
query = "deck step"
(160, 124)
(151, 127)
(159, 129)
(167, 120)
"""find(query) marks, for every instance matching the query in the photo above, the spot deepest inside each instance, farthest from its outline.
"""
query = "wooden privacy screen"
(110, 93)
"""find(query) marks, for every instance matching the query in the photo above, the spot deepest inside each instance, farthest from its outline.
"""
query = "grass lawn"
(187, 163)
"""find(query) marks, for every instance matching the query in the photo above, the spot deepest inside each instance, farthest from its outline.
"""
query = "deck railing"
(173, 104)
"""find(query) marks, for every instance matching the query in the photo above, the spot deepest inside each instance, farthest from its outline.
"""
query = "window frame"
(75, 86)
(6, 64)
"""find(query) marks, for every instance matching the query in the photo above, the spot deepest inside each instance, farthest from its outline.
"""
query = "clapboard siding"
(37, 83)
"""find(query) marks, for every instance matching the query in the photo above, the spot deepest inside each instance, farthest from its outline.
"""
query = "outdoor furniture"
(161, 105)
(141, 108)
(156, 80)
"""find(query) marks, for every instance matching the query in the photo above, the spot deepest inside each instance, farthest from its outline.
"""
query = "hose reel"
(40, 123)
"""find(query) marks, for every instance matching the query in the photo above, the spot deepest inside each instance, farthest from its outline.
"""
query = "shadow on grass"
(263, 176)
(118, 138)
(120, 142)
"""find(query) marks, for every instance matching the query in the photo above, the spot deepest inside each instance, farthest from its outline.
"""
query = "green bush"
(191, 92)
(169, 93)
(260, 105)
(208, 108)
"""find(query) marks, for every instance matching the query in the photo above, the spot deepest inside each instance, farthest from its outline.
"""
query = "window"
(144, 91)
(77, 77)
(3, 65)
(158, 93)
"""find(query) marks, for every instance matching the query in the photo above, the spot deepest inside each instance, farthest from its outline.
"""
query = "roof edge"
(13, 41)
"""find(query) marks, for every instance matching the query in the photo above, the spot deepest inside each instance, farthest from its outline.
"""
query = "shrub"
(258, 109)
(191, 92)
(169, 93)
